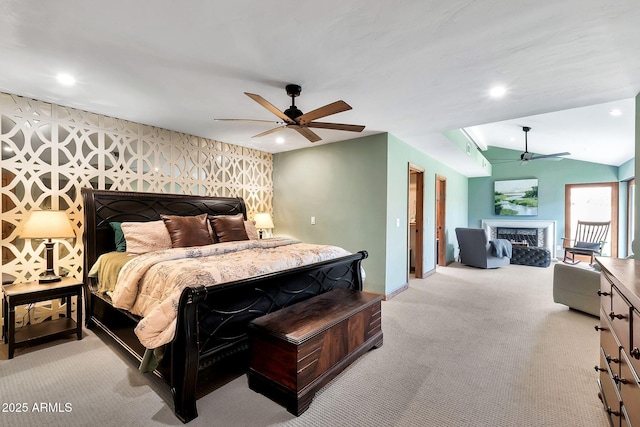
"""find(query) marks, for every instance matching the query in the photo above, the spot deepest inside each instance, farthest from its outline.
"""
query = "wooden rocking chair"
(590, 237)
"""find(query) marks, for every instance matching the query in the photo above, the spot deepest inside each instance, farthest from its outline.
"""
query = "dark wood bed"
(212, 320)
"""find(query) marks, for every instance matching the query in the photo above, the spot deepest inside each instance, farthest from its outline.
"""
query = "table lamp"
(47, 225)
(263, 221)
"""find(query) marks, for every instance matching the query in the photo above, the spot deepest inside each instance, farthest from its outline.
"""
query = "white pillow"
(143, 237)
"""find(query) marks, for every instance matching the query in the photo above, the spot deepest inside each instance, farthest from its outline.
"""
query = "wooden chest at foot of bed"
(299, 349)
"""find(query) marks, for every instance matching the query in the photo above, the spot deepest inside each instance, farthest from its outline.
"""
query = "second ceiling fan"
(295, 119)
(527, 156)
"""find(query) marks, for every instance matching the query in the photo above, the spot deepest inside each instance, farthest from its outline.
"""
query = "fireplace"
(518, 235)
(545, 231)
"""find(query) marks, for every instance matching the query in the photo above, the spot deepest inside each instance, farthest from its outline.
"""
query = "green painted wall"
(357, 190)
(400, 155)
(343, 185)
(626, 171)
(552, 177)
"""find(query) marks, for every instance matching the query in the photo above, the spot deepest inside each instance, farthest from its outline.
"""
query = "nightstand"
(31, 292)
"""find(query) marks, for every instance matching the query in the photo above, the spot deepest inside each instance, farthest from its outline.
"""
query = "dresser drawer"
(634, 350)
(629, 389)
(610, 396)
(609, 345)
(619, 317)
(605, 293)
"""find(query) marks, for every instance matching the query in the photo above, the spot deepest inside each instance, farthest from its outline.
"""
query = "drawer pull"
(599, 369)
(613, 316)
(635, 353)
(604, 294)
(619, 380)
(612, 412)
(598, 328)
(612, 359)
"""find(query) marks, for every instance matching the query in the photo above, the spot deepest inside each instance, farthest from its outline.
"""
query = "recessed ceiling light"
(66, 79)
(279, 140)
(498, 91)
(615, 112)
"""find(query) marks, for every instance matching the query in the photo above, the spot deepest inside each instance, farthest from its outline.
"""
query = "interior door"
(415, 213)
(441, 209)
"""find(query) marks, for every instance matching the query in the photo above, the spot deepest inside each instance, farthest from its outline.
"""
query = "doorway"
(415, 220)
(441, 209)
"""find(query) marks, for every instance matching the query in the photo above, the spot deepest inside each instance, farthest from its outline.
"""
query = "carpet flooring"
(463, 347)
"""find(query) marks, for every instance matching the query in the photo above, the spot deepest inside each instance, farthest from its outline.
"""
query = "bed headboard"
(104, 206)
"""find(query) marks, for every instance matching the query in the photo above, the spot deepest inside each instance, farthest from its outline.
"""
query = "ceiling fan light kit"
(293, 118)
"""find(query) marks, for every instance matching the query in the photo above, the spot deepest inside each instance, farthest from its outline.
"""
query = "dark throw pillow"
(187, 231)
(229, 228)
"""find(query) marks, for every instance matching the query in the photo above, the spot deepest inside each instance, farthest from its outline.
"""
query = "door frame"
(419, 255)
(613, 229)
(441, 220)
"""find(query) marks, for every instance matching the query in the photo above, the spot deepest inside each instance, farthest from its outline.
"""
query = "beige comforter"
(150, 284)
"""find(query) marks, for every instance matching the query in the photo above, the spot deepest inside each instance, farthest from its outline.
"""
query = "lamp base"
(47, 277)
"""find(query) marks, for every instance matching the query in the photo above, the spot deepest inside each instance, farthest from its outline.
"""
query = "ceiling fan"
(527, 156)
(295, 119)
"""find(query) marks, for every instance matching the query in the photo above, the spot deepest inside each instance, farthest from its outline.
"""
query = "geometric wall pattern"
(50, 151)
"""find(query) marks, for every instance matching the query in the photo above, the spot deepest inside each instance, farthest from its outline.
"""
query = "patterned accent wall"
(49, 152)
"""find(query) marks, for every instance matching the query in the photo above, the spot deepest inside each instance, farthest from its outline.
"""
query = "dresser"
(620, 340)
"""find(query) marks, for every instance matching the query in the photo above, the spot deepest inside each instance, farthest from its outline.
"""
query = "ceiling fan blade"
(327, 110)
(556, 156)
(279, 128)
(248, 120)
(336, 126)
(266, 104)
(307, 133)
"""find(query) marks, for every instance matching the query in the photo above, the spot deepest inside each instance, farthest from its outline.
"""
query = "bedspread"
(150, 285)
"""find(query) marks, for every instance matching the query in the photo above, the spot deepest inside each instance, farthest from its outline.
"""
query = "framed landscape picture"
(516, 197)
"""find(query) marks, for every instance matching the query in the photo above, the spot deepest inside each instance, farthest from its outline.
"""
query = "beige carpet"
(464, 347)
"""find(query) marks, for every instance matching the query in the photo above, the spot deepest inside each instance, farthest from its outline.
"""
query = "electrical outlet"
(397, 222)
(313, 220)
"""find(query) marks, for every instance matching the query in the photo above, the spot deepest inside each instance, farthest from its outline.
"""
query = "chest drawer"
(634, 349)
(629, 389)
(609, 345)
(619, 317)
(610, 392)
(605, 293)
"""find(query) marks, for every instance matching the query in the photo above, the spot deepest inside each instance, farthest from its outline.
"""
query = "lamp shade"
(47, 225)
(263, 220)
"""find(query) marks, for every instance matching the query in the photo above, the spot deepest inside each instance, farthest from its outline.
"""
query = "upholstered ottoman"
(536, 257)
(577, 287)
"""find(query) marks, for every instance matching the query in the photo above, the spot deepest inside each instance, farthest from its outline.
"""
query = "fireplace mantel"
(548, 228)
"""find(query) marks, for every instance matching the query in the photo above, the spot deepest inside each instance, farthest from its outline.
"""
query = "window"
(593, 202)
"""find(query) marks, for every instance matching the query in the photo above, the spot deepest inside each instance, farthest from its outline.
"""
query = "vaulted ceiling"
(414, 69)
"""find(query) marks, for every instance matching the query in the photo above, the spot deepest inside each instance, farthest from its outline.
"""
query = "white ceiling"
(414, 68)
(591, 133)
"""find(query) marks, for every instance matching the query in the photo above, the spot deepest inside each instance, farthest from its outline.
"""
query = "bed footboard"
(212, 321)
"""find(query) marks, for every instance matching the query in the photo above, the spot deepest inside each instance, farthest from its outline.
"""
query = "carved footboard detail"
(212, 321)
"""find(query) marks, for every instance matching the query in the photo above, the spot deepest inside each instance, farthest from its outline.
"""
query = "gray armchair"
(476, 251)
